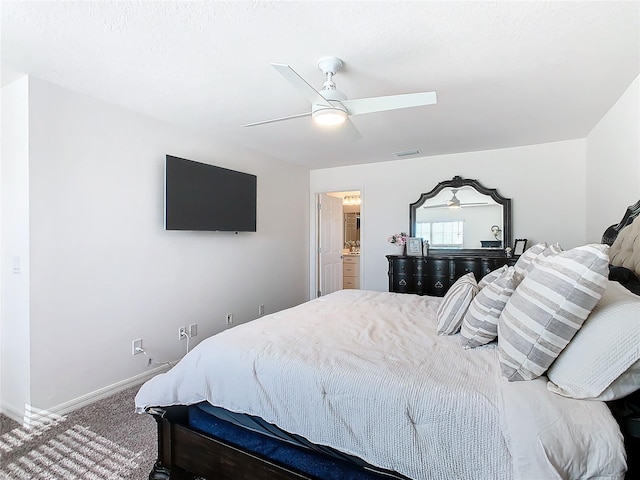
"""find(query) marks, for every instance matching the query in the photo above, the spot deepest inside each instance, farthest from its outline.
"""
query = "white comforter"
(366, 373)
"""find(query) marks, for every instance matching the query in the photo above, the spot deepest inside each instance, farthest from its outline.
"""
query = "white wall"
(104, 271)
(613, 163)
(545, 182)
(14, 252)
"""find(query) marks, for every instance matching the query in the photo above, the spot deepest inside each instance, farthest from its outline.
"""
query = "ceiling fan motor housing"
(330, 65)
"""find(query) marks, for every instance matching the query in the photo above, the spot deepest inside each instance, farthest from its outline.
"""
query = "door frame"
(314, 231)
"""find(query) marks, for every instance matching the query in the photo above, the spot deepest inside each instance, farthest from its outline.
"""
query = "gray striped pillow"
(527, 257)
(455, 304)
(480, 323)
(543, 256)
(491, 276)
(548, 308)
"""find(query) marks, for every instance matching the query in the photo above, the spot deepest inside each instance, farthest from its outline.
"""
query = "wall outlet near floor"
(229, 318)
(182, 333)
(193, 329)
(261, 309)
(136, 346)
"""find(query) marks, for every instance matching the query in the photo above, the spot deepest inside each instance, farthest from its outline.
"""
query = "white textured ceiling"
(506, 73)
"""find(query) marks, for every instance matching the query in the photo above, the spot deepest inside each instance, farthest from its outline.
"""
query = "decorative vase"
(398, 249)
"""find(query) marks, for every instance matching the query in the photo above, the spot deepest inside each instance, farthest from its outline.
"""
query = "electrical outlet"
(229, 318)
(193, 329)
(261, 309)
(182, 333)
(135, 345)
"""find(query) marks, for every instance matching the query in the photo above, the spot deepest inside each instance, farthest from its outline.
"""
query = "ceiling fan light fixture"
(328, 117)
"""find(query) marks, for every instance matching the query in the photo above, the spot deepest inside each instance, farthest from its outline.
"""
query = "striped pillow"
(527, 257)
(548, 308)
(543, 256)
(480, 323)
(455, 304)
(491, 276)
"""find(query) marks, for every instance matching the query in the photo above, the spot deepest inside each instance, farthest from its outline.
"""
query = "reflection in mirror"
(352, 227)
(461, 214)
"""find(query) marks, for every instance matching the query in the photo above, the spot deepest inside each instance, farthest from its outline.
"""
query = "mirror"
(461, 215)
(352, 227)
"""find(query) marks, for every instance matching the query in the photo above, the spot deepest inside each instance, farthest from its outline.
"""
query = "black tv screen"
(199, 196)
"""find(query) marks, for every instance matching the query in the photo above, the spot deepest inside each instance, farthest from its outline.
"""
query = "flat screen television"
(199, 196)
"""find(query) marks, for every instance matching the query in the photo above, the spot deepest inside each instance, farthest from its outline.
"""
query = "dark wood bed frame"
(184, 454)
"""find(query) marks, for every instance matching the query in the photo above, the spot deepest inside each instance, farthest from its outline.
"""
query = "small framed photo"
(519, 247)
(414, 247)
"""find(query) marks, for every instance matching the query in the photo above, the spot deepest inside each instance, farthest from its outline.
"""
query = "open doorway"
(338, 256)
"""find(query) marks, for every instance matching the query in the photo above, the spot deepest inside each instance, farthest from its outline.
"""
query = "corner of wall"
(613, 163)
(14, 249)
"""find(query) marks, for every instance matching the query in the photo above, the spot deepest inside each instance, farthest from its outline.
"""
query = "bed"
(368, 385)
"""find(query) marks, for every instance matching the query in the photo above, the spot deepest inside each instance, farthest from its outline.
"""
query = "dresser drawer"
(464, 266)
(491, 264)
(437, 285)
(403, 266)
(402, 283)
(350, 270)
(352, 259)
(350, 282)
(437, 267)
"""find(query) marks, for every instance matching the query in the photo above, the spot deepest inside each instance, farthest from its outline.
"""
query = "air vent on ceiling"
(407, 153)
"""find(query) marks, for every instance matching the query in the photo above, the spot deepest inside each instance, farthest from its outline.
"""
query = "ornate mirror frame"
(457, 182)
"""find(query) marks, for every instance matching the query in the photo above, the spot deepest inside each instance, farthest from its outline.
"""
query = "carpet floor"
(102, 441)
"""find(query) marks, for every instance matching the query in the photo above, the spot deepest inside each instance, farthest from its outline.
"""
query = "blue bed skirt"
(312, 463)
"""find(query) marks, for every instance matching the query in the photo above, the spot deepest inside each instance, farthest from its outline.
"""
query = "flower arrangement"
(398, 239)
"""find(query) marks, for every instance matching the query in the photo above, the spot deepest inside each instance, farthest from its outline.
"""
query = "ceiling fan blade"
(392, 102)
(273, 120)
(301, 84)
(349, 131)
(437, 206)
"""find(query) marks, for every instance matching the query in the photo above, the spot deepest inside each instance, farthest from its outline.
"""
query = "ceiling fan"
(330, 107)
(455, 202)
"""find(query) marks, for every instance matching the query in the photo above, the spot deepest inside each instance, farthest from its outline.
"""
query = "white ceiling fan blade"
(348, 131)
(441, 205)
(273, 120)
(300, 83)
(392, 102)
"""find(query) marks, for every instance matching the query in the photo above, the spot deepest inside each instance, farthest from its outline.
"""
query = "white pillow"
(548, 308)
(602, 362)
(480, 323)
(455, 304)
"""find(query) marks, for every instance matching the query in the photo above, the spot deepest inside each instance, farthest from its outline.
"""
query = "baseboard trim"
(12, 413)
(33, 416)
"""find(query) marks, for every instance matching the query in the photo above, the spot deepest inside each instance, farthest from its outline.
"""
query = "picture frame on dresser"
(414, 247)
(519, 246)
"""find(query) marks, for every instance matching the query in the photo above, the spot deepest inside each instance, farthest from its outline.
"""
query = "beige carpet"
(103, 441)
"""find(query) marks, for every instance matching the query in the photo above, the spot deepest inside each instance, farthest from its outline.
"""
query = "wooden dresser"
(351, 271)
(434, 275)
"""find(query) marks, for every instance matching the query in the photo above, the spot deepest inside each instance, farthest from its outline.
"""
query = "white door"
(330, 244)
